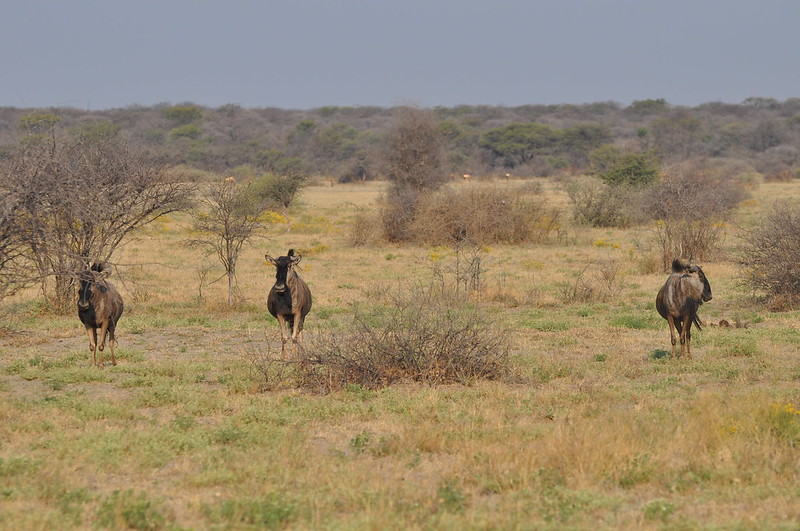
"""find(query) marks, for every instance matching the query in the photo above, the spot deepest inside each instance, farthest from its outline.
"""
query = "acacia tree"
(78, 199)
(519, 143)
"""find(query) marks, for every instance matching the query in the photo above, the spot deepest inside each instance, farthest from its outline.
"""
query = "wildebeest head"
(90, 279)
(283, 266)
(694, 271)
(690, 270)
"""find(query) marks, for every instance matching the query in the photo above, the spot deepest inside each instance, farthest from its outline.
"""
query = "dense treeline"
(761, 135)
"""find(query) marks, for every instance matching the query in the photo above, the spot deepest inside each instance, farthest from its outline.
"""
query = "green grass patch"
(636, 322)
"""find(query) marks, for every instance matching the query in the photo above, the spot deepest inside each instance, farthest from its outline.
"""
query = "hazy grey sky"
(99, 54)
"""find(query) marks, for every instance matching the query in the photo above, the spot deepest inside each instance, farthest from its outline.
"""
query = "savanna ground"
(596, 427)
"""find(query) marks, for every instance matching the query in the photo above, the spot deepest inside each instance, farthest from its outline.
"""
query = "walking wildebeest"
(678, 300)
(289, 300)
(99, 306)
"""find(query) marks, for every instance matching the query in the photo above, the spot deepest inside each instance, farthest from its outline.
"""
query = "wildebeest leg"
(671, 321)
(297, 328)
(687, 327)
(282, 324)
(112, 341)
(683, 328)
(92, 333)
(681, 337)
(102, 345)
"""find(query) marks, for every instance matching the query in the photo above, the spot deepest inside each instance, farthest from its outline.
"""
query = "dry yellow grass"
(596, 429)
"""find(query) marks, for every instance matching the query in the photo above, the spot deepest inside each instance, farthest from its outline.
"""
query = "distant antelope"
(99, 306)
(685, 290)
(466, 177)
(289, 299)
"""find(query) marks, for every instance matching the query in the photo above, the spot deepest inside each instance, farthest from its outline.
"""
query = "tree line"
(348, 143)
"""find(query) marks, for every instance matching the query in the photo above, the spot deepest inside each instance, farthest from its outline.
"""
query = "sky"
(304, 54)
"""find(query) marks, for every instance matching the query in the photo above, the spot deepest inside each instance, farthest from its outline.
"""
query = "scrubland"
(594, 426)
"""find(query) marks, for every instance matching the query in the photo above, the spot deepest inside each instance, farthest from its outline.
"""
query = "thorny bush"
(423, 335)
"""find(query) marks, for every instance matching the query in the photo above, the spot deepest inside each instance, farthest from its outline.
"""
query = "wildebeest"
(99, 306)
(678, 300)
(289, 300)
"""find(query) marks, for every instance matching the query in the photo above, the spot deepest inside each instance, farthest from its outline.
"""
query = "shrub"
(482, 216)
(770, 257)
(397, 213)
(691, 206)
(422, 336)
(364, 229)
(599, 205)
(617, 168)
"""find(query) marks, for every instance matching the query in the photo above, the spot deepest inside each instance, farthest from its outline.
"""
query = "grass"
(596, 426)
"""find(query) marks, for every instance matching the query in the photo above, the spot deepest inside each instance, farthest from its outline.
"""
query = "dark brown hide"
(289, 300)
(685, 290)
(99, 307)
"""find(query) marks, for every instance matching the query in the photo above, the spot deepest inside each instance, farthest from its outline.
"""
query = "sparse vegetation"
(443, 383)
(770, 258)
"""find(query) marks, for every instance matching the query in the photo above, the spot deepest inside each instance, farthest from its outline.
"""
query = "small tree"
(519, 143)
(615, 167)
(79, 199)
(231, 217)
(414, 162)
(279, 191)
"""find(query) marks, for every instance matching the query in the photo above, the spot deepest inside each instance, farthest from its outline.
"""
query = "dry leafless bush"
(691, 208)
(482, 216)
(365, 229)
(597, 282)
(770, 257)
(421, 336)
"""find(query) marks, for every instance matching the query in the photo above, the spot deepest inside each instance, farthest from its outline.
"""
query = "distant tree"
(38, 123)
(97, 130)
(183, 114)
(761, 103)
(415, 155)
(414, 163)
(650, 106)
(189, 131)
(519, 143)
(333, 145)
(616, 167)
(279, 192)
(298, 139)
(766, 134)
(677, 135)
(578, 141)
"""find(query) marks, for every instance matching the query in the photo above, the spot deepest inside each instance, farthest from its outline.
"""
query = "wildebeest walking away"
(289, 300)
(99, 306)
(678, 300)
